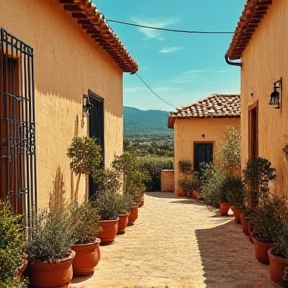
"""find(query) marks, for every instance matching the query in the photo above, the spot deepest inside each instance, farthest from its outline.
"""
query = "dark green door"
(203, 152)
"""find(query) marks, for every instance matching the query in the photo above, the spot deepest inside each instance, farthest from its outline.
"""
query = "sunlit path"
(178, 242)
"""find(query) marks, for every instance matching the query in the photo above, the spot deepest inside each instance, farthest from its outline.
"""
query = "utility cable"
(154, 92)
(170, 30)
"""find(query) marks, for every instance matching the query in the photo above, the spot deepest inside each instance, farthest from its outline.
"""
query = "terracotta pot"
(224, 208)
(109, 231)
(277, 266)
(122, 223)
(51, 274)
(237, 214)
(196, 194)
(181, 192)
(261, 250)
(133, 215)
(245, 225)
(86, 258)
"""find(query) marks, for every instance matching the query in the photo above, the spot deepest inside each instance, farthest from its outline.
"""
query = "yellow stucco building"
(55, 57)
(259, 48)
(199, 129)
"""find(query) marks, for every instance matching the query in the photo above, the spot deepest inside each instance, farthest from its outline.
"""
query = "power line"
(170, 30)
(154, 92)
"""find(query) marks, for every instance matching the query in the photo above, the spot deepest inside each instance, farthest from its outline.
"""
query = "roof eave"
(94, 24)
(254, 11)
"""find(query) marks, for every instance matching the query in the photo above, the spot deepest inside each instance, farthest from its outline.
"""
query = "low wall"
(167, 180)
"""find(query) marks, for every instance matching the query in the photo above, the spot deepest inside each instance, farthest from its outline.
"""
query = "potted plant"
(266, 224)
(210, 179)
(257, 175)
(185, 182)
(86, 245)
(12, 258)
(85, 157)
(134, 178)
(236, 194)
(106, 203)
(50, 257)
(124, 203)
(278, 255)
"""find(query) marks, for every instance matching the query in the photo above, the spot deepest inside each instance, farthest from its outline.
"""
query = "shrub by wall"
(154, 165)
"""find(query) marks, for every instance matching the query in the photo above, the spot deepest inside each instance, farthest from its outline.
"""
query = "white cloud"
(153, 33)
(170, 49)
(187, 76)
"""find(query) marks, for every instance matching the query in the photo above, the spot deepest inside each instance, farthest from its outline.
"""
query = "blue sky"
(181, 68)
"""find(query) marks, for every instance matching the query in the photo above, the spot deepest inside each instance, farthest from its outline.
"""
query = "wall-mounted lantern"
(275, 95)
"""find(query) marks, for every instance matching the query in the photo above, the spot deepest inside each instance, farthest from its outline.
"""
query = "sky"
(180, 68)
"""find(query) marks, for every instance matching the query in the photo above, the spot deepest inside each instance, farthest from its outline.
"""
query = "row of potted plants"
(58, 236)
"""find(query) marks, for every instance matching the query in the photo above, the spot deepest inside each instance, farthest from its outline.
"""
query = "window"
(17, 124)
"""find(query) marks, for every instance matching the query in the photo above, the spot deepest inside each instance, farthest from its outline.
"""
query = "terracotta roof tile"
(217, 105)
(253, 12)
(94, 24)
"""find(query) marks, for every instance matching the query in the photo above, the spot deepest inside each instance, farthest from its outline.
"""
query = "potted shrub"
(257, 175)
(134, 178)
(12, 257)
(86, 245)
(210, 180)
(185, 182)
(236, 194)
(223, 200)
(50, 257)
(107, 206)
(266, 224)
(278, 255)
(85, 157)
(124, 203)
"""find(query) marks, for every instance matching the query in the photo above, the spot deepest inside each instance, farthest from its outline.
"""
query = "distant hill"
(138, 121)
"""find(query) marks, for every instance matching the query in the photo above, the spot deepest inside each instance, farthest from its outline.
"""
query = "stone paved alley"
(178, 242)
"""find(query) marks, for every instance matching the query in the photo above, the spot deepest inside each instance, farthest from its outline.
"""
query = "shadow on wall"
(228, 258)
(57, 196)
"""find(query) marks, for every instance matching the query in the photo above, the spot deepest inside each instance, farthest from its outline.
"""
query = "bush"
(11, 246)
(211, 181)
(154, 165)
(50, 236)
(86, 220)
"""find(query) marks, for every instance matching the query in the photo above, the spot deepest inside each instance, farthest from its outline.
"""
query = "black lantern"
(275, 96)
(86, 105)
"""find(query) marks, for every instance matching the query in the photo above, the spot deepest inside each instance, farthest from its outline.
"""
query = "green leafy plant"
(229, 154)
(257, 175)
(236, 192)
(106, 203)
(124, 202)
(211, 179)
(86, 157)
(86, 221)
(134, 176)
(11, 246)
(50, 236)
(153, 166)
(267, 218)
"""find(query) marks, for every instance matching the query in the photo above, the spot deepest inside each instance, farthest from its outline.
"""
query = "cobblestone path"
(178, 242)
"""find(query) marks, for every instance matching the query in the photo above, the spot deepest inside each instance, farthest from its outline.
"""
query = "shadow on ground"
(228, 258)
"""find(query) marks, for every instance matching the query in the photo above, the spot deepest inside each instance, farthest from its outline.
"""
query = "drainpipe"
(232, 63)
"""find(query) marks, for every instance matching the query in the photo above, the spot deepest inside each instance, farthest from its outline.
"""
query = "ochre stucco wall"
(67, 63)
(167, 180)
(187, 131)
(265, 59)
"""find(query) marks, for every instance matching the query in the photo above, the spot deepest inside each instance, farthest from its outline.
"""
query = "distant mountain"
(138, 121)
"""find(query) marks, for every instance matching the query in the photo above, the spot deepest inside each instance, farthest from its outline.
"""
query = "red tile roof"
(253, 12)
(94, 24)
(217, 105)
